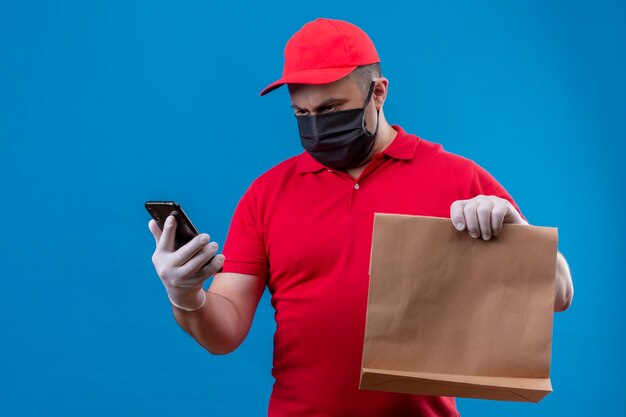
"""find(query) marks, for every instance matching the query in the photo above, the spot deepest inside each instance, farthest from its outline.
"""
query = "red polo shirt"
(308, 229)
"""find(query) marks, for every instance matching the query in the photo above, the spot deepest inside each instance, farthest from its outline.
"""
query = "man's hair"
(364, 74)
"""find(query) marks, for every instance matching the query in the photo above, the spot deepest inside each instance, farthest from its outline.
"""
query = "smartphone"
(185, 230)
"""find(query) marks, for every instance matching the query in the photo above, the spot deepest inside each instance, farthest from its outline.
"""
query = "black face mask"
(338, 139)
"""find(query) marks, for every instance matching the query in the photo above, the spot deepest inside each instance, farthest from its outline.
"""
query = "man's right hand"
(182, 271)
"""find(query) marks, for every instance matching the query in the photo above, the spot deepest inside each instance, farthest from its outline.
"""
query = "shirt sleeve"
(484, 183)
(244, 248)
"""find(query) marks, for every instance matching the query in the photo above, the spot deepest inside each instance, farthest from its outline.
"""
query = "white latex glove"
(484, 215)
(181, 271)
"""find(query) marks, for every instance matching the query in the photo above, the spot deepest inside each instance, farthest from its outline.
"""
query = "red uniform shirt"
(308, 229)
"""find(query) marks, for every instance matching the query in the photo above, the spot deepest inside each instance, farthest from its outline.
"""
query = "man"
(304, 229)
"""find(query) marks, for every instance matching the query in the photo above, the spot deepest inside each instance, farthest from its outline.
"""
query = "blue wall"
(104, 105)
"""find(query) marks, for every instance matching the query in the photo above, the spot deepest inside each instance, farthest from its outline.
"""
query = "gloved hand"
(182, 271)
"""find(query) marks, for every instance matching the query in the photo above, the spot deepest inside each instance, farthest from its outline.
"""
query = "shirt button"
(356, 186)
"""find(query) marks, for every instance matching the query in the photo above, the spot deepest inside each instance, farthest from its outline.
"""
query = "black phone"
(185, 230)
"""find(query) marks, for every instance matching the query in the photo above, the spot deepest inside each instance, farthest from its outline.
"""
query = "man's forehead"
(341, 89)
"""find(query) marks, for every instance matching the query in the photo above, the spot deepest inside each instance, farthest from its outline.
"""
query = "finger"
(199, 259)
(471, 218)
(512, 216)
(483, 211)
(214, 266)
(497, 218)
(166, 243)
(456, 214)
(189, 249)
(155, 229)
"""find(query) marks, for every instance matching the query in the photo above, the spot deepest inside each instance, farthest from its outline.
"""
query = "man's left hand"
(484, 215)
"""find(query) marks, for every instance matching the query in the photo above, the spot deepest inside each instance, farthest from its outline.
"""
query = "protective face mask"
(338, 139)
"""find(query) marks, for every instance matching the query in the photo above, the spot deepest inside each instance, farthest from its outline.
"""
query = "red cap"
(323, 51)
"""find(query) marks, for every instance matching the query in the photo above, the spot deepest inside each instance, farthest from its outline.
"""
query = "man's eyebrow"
(325, 103)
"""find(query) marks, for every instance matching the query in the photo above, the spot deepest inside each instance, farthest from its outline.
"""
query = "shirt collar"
(402, 147)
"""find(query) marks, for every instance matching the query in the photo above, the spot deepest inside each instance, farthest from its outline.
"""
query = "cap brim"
(310, 76)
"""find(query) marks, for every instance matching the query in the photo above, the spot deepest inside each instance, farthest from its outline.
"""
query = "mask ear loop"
(367, 101)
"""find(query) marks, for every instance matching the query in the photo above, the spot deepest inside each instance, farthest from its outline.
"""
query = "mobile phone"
(185, 230)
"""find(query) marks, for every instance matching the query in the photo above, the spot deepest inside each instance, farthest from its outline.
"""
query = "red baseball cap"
(323, 51)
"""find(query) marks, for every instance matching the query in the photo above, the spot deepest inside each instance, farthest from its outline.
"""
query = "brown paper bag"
(456, 316)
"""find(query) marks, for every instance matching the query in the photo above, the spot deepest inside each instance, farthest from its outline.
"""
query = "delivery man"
(304, 230)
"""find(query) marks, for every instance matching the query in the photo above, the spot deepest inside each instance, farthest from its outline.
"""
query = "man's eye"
(300, 112)
(327, 109)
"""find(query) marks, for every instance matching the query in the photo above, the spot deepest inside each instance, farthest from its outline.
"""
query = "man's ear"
(379, 95)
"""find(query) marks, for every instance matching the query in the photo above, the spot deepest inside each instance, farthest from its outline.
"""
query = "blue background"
(104, 105)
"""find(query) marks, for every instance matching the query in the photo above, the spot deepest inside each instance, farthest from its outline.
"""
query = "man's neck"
(384, 137)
